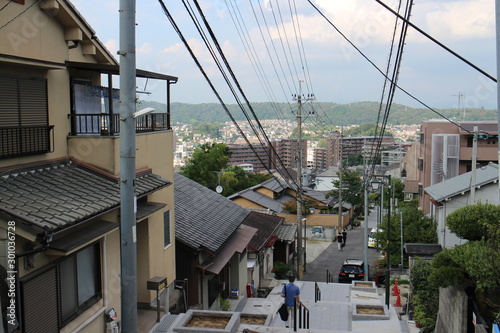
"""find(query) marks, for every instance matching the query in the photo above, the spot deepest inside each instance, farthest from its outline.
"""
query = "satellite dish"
(218, 189)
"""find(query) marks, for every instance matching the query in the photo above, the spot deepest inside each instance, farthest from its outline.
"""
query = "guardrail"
(329, 277)
(317, 292)
(302, 316)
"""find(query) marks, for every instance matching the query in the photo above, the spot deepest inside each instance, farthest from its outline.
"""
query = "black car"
(352, 269)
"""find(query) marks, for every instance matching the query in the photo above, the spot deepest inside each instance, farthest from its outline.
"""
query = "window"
(24, 128)
(62, 291)
(166, 228)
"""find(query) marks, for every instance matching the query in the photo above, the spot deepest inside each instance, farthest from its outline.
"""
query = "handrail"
(303, 316)
(317, 292)
(329, 277)
(106, 124)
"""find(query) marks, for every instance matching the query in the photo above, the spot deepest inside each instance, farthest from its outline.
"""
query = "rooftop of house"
(202, 216)
(55, 195)
(266, 225)
(462, 183)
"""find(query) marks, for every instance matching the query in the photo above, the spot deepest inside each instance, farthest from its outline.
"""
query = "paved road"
(331, 258)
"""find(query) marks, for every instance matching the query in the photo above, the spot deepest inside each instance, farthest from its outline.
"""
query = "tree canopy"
(352, 187)
(205, 164)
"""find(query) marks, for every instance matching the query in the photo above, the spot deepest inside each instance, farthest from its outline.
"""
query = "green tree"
(234, 179)
(417, 228)
(205, 163)
(212, 129)
(474, 222)
(352, 188)
(425, 295)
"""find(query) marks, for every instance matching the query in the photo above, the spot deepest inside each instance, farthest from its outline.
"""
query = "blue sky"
(334, 71)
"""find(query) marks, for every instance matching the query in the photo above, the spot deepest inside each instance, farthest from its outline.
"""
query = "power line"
(407, 21)
(381, 72)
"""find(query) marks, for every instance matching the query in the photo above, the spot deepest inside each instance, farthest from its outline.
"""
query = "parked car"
(352, 269)
(318, 232)
(372, 242)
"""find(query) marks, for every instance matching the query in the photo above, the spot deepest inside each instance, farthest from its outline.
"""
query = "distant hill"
(338, 114)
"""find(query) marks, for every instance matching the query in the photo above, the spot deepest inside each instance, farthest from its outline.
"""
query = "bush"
(282, 270)
(224, 304)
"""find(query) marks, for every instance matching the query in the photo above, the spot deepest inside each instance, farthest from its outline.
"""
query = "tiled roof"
(60, 194)
(266, 226)
(286, 232)
(461, 183)
(202, 216)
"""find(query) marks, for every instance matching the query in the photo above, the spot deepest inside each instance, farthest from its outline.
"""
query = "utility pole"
(473, 169)
(300, 239)
(497, 28)
(128, 279)
(341, 220)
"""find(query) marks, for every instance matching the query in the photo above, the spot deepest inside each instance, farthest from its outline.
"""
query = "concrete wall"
(452, 315)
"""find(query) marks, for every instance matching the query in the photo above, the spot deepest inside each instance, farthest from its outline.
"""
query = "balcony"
(106, 124)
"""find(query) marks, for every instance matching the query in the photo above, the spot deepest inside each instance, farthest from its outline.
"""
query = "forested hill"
(338, 114)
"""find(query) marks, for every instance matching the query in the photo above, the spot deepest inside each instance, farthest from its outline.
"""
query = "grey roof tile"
(202, 216)
(461, 183)
(60, 194)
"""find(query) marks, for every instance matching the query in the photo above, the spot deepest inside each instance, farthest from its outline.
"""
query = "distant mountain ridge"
(330, 113)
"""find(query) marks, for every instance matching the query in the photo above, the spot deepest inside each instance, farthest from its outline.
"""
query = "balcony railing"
(20, 141)
(106, 124)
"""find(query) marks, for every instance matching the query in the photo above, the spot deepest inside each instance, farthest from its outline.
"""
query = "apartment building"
(445, 150)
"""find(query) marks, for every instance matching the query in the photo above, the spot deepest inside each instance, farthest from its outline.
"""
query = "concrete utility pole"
(300, 239)
(128, 281)
(473, 169)
(341, 220)
(497, 25)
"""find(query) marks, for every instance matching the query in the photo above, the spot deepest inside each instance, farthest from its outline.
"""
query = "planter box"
(198, 321)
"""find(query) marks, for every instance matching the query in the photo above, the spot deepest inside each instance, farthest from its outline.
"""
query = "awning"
(81, 237)
(115, 70)
(236, 243)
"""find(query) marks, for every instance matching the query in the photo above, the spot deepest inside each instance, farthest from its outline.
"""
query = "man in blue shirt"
(292, 297)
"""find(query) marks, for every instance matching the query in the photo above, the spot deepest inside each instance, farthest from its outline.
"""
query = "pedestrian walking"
(291, 293)
(340, 241)
(344, 236)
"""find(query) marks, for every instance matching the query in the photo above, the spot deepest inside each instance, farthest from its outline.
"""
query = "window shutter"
(9, 102)
(33, 101)
(40, 303)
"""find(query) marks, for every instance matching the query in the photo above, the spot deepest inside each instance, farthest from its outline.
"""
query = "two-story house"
(60, 166)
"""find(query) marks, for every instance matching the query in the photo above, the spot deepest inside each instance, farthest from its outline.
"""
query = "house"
(271, 195)
(211, 242)
(60, 166)
(261, 246)
(454, 193)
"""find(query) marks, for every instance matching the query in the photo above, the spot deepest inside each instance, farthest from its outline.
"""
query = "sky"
(278, 48)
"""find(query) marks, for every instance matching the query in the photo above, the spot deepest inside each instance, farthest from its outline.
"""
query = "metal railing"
(20, 141)
(329, 277)
(317, 292)
(106, 124)
(301, 313)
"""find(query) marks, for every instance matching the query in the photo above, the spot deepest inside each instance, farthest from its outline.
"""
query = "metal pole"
(299, 190)
(497, 25)
(365, 238)
(128, 253)
(401, 216)
(473, 170)
(388, 264)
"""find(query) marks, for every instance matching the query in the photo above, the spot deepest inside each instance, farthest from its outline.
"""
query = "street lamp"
(375, 185)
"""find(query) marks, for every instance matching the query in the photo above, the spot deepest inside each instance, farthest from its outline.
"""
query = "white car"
(371, 237)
